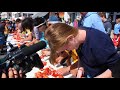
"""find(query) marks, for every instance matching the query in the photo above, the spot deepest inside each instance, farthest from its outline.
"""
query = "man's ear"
(70, 38)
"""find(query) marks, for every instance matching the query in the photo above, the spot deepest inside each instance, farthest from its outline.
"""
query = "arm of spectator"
(106, 74)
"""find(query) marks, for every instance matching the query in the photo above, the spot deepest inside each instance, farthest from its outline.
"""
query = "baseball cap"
(53, 19)
(39, 21)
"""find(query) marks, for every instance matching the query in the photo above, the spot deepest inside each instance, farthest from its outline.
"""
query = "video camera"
(24, 57)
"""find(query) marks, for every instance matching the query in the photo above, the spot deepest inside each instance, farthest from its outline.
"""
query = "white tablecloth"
(31, 74)
(10, 39)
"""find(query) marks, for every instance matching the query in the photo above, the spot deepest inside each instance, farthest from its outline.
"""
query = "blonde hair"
(56, 36)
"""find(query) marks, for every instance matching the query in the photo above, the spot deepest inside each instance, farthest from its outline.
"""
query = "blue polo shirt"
(116, 28)
(97, 53)
(93, 20)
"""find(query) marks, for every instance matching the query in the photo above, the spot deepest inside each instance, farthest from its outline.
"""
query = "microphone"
(25, 57)
(34, 48)
(16, 47)
(29, 50)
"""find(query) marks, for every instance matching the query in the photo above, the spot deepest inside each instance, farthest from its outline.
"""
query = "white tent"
(39, 14)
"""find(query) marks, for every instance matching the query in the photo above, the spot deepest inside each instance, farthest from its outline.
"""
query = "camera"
(24, 57)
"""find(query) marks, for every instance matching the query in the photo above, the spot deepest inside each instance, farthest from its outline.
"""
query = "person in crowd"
(13, 25)
(75, 23)
(2, 38)
(57, 14)
(65, 55)
(92, 20)
(41, 25)
(17, 22)
(27, 28)
(18, 29)
(36, 33)
(52, 20)
(6, 31)
(95, 49)
(116, 33)
(66, 18)
(39, 28)
(106, 22)
(10, 27)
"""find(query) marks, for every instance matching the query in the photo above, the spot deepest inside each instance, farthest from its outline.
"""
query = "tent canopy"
(39, 14)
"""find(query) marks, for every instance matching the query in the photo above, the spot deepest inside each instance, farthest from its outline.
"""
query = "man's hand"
(64, 70)
(12, 73)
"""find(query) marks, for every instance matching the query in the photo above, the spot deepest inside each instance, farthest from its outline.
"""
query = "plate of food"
(48, 71)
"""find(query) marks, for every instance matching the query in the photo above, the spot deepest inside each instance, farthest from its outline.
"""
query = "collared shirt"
(93, 20)
(117, 29)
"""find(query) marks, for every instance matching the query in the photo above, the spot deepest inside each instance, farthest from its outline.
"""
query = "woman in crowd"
(27, 28)
(116, 33)
(41, 24)
(17, 23)
(6, 31)
(96, 50)
(63, 58)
